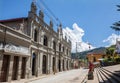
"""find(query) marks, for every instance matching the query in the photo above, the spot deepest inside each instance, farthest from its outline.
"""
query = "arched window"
(45, 41)
(54, 45)
(59, 47)
(35, 35)
(67, 51)
(63, 49)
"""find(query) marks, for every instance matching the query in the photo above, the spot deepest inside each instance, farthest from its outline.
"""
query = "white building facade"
(30, 47)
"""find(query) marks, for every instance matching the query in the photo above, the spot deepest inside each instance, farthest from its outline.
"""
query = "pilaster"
(19, 68)
(1, 60)
(41, 59)
(10, 69)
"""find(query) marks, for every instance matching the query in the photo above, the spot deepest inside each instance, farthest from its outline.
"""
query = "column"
(65, 64)
(48, 68)
(19, 68)
(51, 63)
(61, 63)
(41, 59)
(28, 70)
(10, 68)
(29, 67)
(56, 63)
(1, 61)
(37, 66)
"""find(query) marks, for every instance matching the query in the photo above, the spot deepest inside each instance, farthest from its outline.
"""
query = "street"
(71, 76)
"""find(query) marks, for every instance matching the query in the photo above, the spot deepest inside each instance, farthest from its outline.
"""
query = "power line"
(50, 17)
(50, 11)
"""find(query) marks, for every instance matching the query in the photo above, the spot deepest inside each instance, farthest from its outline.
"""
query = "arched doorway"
(15, 67)
(23, 67)
(63, 65)
(59, 65)
(5, 67)
(53, 67)
(44, 64)
(67, 64)
(33, 63)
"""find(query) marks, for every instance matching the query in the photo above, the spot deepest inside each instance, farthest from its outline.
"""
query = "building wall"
(91, 57)
(26, 41)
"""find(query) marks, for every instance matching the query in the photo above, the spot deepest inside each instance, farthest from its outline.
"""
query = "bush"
(117, 59)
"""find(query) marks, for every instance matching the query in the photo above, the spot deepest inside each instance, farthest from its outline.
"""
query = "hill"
(82, 55)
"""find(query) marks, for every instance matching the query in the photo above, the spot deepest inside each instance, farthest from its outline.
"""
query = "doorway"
(63, 65)
(15, 67)
(5, 67)
(53, 67)
(33, 63)
(44, 65)
(23, 68)
(59, 65)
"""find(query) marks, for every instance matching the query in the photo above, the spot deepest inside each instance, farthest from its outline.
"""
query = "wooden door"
(15, 67)
(5, 67)
(23, 68)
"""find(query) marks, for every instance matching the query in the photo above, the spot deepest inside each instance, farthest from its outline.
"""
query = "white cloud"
(112, 39)
(75, 35)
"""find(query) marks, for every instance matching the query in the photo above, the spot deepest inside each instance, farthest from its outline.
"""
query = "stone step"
(112, 75)
(99, 76)
(115, 73)
(109, 78)
(103, 77)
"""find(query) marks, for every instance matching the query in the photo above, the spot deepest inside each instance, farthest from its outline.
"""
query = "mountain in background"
(82, 55)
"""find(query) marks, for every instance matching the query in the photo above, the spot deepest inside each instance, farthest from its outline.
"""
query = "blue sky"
(93, 16)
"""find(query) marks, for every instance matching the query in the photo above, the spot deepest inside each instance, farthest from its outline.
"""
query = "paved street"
(72, 76)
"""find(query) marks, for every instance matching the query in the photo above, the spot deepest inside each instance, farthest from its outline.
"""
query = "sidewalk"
(71, 76)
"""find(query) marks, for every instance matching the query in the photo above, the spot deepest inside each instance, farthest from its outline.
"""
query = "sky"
(84, 21)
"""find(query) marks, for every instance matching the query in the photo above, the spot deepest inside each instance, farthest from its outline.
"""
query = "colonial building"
(30, 47)
(96, 55)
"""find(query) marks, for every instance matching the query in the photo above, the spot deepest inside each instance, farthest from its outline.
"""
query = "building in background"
(30, 47)
(96, 55)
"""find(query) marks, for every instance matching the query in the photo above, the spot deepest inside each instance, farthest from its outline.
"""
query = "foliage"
(110, 51)
(117, 59)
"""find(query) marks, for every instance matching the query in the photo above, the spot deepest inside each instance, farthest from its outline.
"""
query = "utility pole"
(77, 53)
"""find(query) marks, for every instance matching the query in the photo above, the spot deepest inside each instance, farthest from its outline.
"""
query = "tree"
(110, 52)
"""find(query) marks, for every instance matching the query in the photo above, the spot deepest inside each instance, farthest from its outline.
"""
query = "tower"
(60, 33)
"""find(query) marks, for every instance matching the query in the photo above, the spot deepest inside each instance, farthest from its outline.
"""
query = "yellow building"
(95, 57)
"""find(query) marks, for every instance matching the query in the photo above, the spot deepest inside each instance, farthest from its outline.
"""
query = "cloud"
(75, 35)
(111, 39)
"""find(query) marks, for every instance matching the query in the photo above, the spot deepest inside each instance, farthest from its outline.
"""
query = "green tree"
(110, 52)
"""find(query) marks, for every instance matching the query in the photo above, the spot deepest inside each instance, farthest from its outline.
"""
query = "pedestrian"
(91, 69)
